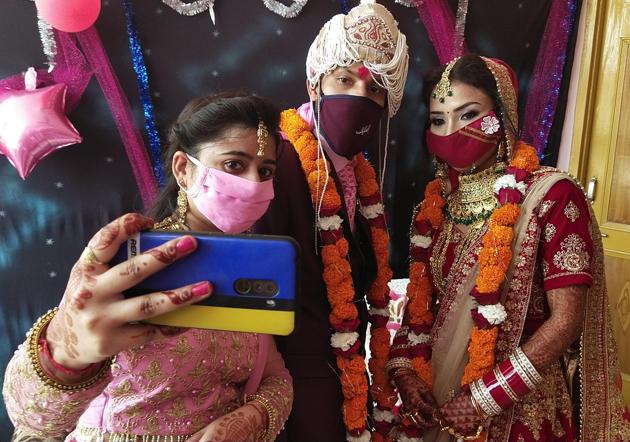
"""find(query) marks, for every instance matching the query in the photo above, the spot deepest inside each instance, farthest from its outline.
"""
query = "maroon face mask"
(348, 122)
(463, 148)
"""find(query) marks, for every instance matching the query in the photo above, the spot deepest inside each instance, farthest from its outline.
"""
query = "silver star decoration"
(215, 73)
(52, 274)
(59, 185)
(50, 241)
(109, 160)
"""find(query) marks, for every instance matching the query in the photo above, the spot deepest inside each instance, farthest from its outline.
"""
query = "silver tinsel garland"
(409, 3)
(49, 44)
(284, 10)
(192, 8)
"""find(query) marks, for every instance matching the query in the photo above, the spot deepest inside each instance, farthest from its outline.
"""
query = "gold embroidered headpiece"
(368, 34)
(262, 135)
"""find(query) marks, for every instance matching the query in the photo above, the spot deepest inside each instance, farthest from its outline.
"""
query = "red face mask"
(463, 148)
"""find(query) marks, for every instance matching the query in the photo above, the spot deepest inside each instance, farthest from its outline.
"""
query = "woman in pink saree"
(91, 370)
(506, 336)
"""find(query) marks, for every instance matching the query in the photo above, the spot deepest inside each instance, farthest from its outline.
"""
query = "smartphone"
(255, 279)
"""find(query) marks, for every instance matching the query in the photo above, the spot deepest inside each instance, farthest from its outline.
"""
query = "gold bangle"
(398, 363)
(272, 417)
(33, 349)
(456, 435)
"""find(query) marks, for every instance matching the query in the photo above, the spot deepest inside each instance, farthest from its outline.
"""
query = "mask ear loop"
(319, 199)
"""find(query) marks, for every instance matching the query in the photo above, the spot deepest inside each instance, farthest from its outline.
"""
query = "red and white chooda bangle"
(505, 385)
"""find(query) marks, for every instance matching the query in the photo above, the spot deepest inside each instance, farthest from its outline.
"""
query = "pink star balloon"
(33, 124)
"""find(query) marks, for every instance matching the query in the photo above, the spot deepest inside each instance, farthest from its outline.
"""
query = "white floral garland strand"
(284, 10)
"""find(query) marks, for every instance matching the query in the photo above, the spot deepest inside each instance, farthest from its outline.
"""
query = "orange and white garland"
(339, 286)
(494, 260)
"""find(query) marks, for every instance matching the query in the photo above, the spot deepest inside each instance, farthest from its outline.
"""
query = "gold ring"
(89, 257)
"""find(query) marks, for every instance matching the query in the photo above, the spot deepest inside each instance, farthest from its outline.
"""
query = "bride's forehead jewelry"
(262, 134)
(443, 88)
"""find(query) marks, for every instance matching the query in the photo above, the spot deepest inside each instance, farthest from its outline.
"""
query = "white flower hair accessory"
(490, 125)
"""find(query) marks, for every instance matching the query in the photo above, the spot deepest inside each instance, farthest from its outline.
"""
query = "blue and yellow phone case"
(254, 278)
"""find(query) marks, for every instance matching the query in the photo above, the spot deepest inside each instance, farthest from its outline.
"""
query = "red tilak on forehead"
(363, 72)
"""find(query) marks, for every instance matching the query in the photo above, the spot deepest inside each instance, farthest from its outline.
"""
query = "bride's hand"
(419, 404)
(460, 414)
(94, 320)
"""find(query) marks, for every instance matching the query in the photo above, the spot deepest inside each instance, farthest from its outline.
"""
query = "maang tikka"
(262, 134)
(443, 88)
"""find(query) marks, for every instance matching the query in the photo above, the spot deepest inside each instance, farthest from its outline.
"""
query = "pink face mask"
(463, 148)
(233, 204)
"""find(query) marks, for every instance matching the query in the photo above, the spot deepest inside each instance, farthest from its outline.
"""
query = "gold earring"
(440, 169)
(182, 206)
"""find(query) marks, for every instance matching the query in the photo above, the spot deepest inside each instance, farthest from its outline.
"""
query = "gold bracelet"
(272, 417)
(398, 363)
(456, 435)
(33, 349)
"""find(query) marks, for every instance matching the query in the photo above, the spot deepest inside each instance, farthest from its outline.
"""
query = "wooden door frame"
(595, 33)
(594, 30)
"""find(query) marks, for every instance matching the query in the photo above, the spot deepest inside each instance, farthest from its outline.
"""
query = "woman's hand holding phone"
(95, 321)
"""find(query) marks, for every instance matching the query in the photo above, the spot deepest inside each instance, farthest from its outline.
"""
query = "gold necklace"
(474, 201)
(438, 257)
(464, 247)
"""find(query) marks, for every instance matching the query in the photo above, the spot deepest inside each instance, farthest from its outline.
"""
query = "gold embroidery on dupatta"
(544, 207)
(572, 256)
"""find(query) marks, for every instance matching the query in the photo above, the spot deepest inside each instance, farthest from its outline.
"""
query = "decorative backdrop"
(46, 220)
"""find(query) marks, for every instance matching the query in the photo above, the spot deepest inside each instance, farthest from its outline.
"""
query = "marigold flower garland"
(494, 260)
(339, 286)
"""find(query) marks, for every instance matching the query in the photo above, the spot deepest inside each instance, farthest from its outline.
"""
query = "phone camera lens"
(259, 287)
(243, 286)
(270, 288)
